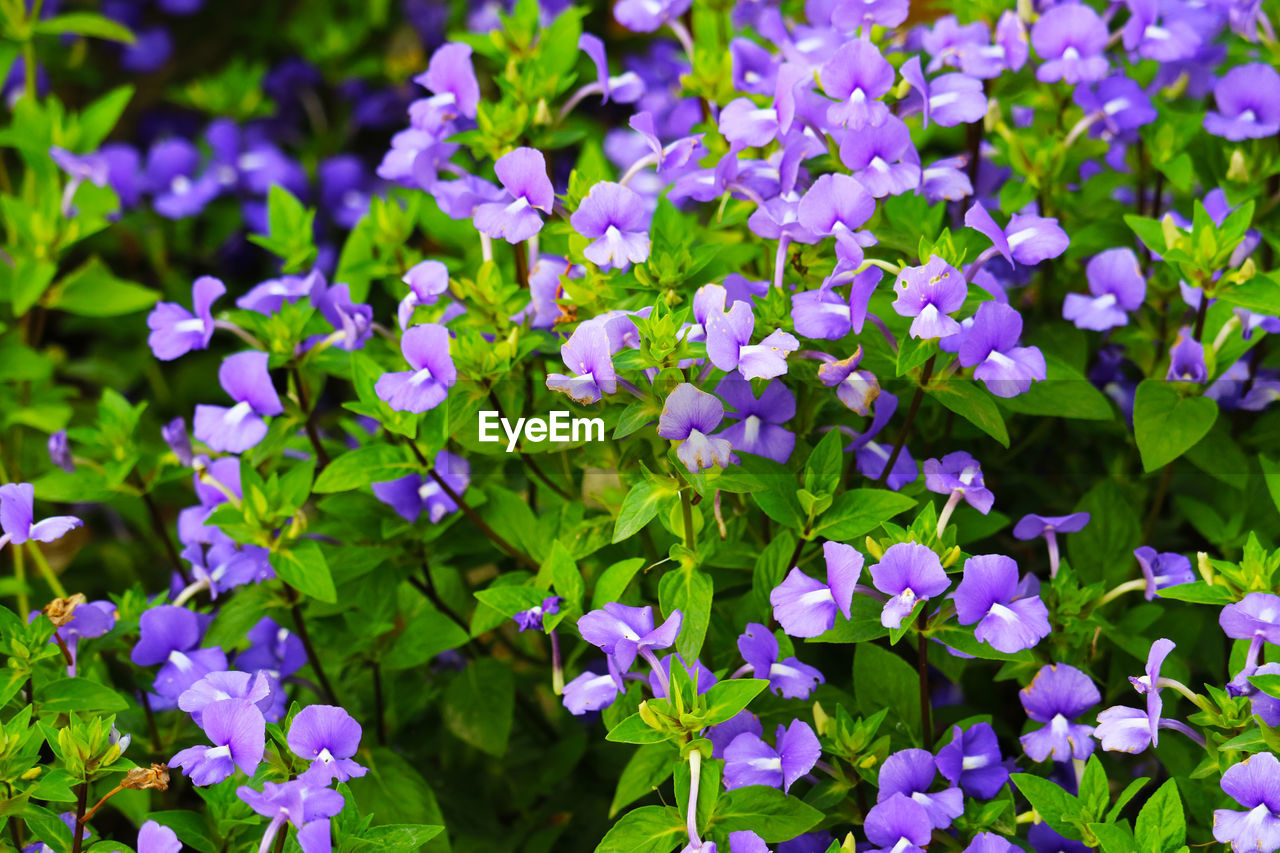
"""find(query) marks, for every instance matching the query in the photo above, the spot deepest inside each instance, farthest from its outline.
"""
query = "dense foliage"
(721, 426)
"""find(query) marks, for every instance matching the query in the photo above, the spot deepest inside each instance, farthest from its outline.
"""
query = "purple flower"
(299, 802)
(647, 16)
(1027, 239)
(452, 80)
(805, 607)
(238, 732)
(789, 678)
(154, 838)
(959, 472)
(426, 280)
(1117, 287)
(224, 566)
(592, 692)
(929, 293)
(1186, 362)
(1248, 103)
(614, 218)
(1162, 569)
(910, 773)
(17, 517)
(882, 158)
(857, 76)
(949, 100)
(589, 358)
(175, 435)
(759, 429)
(1149, 684)
(60, 451)
(989, 842)
(1118, 102)
(722, 734)
(523, 174)
(689, 416)
(414, 494)
(89, 620)
(898, 825)
(990, 346)
(218, 686)
(179, 193)
(532, 618)
(972, 760)
(327, 736)
(622, 632)
(857, 389)
(748, 760)
(269, 296)
(245, 378)
(1070, 40)
(1262, 705)
(426, 348)
(163, 630)
(272, 649)
(729, 344)
(1057, 695)
(1044, 839)
(1049, 526)
(909, 572)
(175, 331)
(989, 595)
(625, 88)
(836, 206)
(1255, 784)
(746, 125)
(353, 324)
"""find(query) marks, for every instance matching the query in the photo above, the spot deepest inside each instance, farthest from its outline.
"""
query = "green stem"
(45, 569)
(686, 509)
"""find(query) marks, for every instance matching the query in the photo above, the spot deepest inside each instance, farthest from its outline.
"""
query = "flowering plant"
(886, 455)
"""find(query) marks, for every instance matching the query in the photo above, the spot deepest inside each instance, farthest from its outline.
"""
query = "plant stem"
(1198, 332)
(158, 525)
(304, 403)
(45, 569)
(305, 636)
(20, 576)
(527, 459)
(925, 376)
(522, 265)
(470, 513)
(77, 829)
(922, 667)
(686, 509)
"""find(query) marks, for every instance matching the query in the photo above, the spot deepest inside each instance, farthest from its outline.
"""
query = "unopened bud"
(650, 718)
(874, 549)
(1238, 167)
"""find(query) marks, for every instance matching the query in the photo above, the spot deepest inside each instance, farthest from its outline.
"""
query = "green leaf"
(690, 591)
(1094, 793)
(1261, 294)
(857, 512)
(648, 829)
(973, 403)
(398, 838)
(613, 581)
(304, 568)
(425, 635)
(357, 468)
(510, 599)
(93, 291)
(1271, 474)
(1130, 791)
(864, 624)
(765, 811)
(825, 464)
(478, 705)
(394, 792)
(1267, 683)
(1167, 425)
(881, 679)
(779, 502)
(1115, 838)
(1064, 393)
(1161, 826)
(728, 697)
(633, 729)
(85, 24)
(64, 695)
(1198, 592)
(648, 767)
(642, 503)
(1103, 551)
(962, 640)
(1058, 808)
